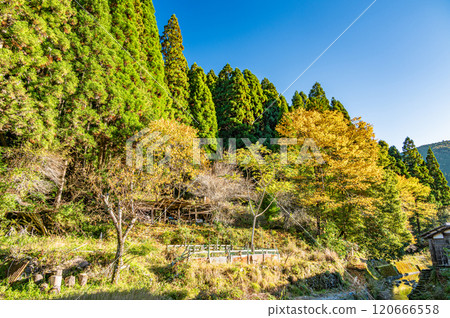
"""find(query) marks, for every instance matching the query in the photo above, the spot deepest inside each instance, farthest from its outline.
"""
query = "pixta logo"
(141, 147)
(308, 151)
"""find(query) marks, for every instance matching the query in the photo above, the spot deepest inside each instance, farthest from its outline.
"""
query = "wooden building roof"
(437, 230)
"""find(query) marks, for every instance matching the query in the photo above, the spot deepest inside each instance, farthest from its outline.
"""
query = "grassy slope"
(146, 276)
(442, 152)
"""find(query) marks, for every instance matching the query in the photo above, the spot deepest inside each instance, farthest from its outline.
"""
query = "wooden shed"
(438, 239)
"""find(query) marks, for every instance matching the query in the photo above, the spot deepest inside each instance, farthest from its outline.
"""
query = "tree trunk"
(418, 228)
(319, 230)
(3, 140)
(61, 187)
(253, 234)
(118, 260)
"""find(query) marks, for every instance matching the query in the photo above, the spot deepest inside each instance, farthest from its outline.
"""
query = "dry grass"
(147, 275)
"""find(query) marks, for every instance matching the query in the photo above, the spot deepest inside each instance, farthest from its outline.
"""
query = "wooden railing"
(224, 253)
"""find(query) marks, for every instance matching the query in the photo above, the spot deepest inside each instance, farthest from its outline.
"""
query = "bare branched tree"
(264, 170)
(222, 185)
(115, 212)
(258, 210)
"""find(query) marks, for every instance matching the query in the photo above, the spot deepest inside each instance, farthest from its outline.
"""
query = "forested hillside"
(442, 153)
(78, 79)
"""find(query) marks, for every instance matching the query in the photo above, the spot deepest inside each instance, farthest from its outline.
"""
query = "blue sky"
(392, 67)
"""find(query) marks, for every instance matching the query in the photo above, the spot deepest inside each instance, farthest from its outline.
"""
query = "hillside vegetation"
(100, 124)
(442, 153)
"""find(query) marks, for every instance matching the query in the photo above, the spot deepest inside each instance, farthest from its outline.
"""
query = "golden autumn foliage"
(349, 170)
(415, 203)
(160, 161)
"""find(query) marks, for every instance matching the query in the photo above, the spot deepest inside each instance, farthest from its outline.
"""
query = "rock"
(387, 270)
(68, 267)
(44, 287)
(55, 281)
(54, 291)
(58, 272)
(70, 281)
(38, 278)
(82, 279)
(83, 264)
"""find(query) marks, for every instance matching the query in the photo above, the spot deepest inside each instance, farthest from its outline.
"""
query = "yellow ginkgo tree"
(335, 185)
(164, 166)
(415, 202)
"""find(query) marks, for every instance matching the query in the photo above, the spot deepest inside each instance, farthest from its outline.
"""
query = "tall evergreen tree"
(89, 120)
(220, 89)
(124, 91)
(36, 74)
(233, 105)
(304, 97)
(338, 107)
(257, 97)
(222, 84)
(211, 81)
(439, 186)
(176, 69)
(385, 159)
(274, 108)
(151, 45)
(414, 162)
(201, 103)
(401, 168)
(223, 81)
(317, 100)
(387, 229)
(298, 101)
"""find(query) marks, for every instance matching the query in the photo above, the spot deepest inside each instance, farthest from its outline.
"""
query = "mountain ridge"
(442, 152)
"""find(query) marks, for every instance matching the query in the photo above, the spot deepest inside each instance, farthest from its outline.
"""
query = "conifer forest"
(130, 172)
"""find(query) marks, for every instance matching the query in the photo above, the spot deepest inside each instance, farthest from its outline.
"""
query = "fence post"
(209, 259)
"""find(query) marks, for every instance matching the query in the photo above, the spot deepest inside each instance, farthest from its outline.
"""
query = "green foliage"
(71, 217)
(142, 249)
(65, 80)
(442, 153)
(385, 160)
(233, 104)
(400, 167)
(274, 108)
(414, 162)
(257, 97)
(386, 231)
(211, 80)
(338, 107)
(317, 100)
(331, 239)
(439, 187)
(273, 211)
(245, 107)
(176, 69)
(140, 69)
(68, 87)
(298, 100)
(36, 74)
(201, 104)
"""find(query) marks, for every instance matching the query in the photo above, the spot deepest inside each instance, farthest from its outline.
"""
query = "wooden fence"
(225, 254)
